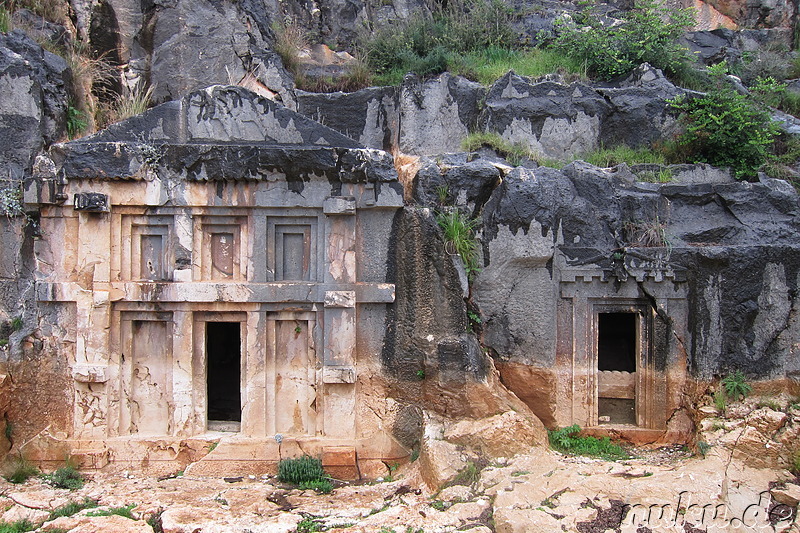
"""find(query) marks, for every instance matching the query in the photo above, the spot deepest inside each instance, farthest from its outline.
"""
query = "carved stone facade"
(224, 268)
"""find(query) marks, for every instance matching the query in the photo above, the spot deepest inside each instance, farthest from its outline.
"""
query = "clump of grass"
(66, 477)
(515, 153)
(300, 470)
(795, 466)
(73, 508)
(720, 401)
(612, 156)
(568, 440)
(647, 233)
(469, 475)
(134, 103)
(5, 21)
(20, 470)
(290, 38)
(459, 233)
(486, 66)
(20, 526)
(124, 511)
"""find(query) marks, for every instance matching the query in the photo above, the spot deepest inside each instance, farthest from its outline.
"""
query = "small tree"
(725, 128)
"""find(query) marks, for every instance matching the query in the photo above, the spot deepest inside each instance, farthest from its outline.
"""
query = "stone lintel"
(202, 292)
(340, 299)
(338, 374)
(339, 205)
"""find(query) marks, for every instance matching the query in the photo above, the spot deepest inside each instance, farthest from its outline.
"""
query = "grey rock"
(436, 115)
(369, 116)
(33, 101)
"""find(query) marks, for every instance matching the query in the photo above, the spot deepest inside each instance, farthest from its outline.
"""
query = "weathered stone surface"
(789, 495)
(18, 512)
(440, 462)
(92, 524)
(501, 435)
(33, 101)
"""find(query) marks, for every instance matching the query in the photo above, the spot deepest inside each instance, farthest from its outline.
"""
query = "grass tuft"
(459, 232)
(20, 470)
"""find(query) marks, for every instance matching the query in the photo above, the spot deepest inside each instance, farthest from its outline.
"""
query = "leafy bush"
(76, 122)
(725, 128)
(735, 385)
(648, 33)
(323, 486)
(66, 477)
(300, 470)
(568, 440)
(459, 232)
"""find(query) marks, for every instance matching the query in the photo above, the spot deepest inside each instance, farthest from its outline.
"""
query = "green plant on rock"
(322, 486)
(303, 469)
(725, 128)
(76, 122)
(309, 524)
(720, 401)
(73, 508)
(647, 33)
(20, 526)
(569, 440)
(459, 234)
(66, 477)
(515, 153)
(6, 24)
(124, 511)
(735, 385)
(469, 475)
(11, 198)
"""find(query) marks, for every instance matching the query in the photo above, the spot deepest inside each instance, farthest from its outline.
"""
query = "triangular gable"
(223, 114)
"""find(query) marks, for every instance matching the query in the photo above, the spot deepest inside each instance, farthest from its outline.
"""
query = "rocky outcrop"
(33, 101)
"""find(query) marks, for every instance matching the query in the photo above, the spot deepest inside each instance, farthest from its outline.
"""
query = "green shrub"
(300, 470)
(309, 525)
(648, 33)
(720, 401)
(735, 385)
(323, 486)
(459, 233)
(568, 440)
(725, 128)
(66, 477)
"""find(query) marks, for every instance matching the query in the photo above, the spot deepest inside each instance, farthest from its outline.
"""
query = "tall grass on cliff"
(648, 33)
(427, 45)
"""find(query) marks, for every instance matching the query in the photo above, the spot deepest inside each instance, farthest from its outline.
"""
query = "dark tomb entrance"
(617, 353)
(224, 355)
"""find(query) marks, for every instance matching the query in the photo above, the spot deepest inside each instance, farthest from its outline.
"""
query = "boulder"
(550, 118)
(440, 462)
(502, 435)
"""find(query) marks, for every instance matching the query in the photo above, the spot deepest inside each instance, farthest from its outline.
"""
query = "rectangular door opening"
(223, 375)
(617, 353)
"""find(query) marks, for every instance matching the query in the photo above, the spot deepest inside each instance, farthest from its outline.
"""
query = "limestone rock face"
(33, 101)
(502, 435)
